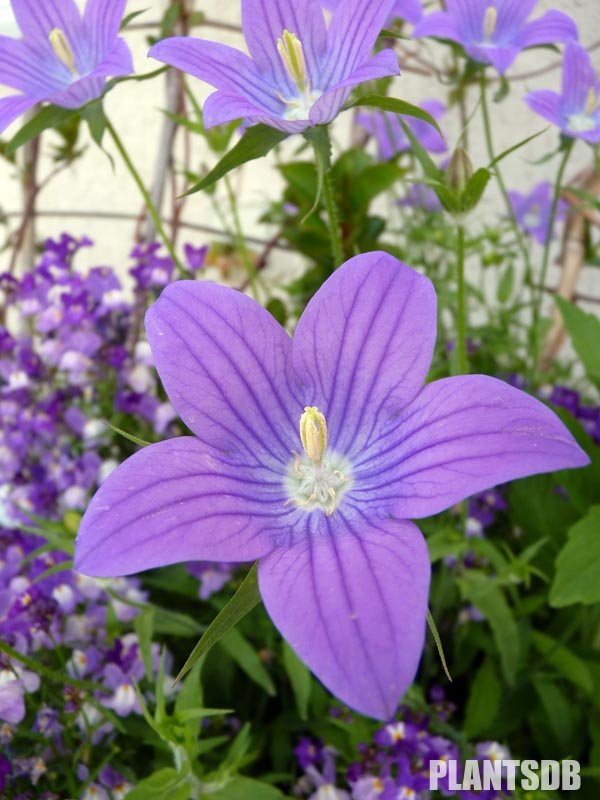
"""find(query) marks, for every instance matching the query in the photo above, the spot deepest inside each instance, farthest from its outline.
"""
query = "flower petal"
(550, 28)
(221, 107)
(512, 16)
(364, 344)
(500, 57)
(175, 501)
(578, 78)
(547, 104)
(37, 18)
(351, 36)
(263, 23)
(439, 24)
(458, 437)
(20, 70)
(102, 21)
(12, 107)
(351, 599)
(223, 359)
(221, 66)
(79, 93)
(117, 61)
(326, 108)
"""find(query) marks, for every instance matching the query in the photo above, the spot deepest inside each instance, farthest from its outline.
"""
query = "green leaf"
(48, 117)
(484, 700)
(564, 661)
(484, 594)
(247, 789)
(255, 143)
(506, 284)
(514, 147)
(557, 709)
(300, 679)
(577, 577)
(584, 330)
(318, 137)
(93, 114)
(397, 107)
(243, 601)
(166, 784)
(130, 436)
(474, 189)
(144, 627)
(246, 657)
(438, 643)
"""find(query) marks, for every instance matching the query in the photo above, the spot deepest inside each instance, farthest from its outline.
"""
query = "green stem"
(152, 210)
(332, 219)
(240, 238)
(509, 207)
(461, 305)
(537, 306)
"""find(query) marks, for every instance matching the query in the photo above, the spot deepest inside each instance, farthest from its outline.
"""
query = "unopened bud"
(313, 433)
(459, 170)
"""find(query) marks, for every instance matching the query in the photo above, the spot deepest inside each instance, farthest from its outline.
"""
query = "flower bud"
(313, 433)
(459, 170)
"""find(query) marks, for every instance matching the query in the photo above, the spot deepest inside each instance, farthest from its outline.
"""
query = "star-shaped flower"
(312, 455)
(576, 110)
(495, 31)
(299, 72)
(63, 58)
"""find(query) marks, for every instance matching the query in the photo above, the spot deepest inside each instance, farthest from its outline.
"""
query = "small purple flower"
(533, 210)
(409, 10)
(195, 256)
(576, 110)
(299, 73)
(387, 130)
(343, 574)
(495, 31)
(62, 58)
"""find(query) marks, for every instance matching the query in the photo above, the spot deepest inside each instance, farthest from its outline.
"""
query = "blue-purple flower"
(63, 58)
(495, 31)
(312, 455)
(386, 128)
(299, 72)
(533, 210)
(409, 10)
(576, 110)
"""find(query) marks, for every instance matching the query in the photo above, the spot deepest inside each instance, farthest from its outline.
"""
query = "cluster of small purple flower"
(394, 765)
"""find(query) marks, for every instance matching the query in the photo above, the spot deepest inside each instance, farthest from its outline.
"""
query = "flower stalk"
(461, 303)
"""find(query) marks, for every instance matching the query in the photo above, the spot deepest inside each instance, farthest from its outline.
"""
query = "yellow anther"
(592, 102)
(489, 22)
(290, 49)
(62, 49)
(313, 433)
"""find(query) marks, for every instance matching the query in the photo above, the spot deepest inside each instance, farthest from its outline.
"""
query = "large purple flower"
(299, 73)
(409, 10)
(62, 58)
(495, 31)
(343, 574)
(576, 110)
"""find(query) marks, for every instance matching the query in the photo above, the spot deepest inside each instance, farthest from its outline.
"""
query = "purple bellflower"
(495, 31)
(533, 210)
(385, 128)
(312, 455)
(576, 110)
(63, 58)
(409, 10)
(299, 73)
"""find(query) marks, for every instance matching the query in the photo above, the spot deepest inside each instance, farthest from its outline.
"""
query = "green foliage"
(584, 330)
(578, 564)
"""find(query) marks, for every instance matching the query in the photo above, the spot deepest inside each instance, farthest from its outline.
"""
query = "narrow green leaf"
(484, 700)
(397, 107)
(48, 117)
(93, 114)
(564, 661)
(438, 643)
(130, 436)
(475, 188)
(514, 147)
(321, 144)
(584, 330)
(245, 656)
(144, 627)
(577, 577)
(506, 284)
(255, 143)
(300, 679)
(243, 601)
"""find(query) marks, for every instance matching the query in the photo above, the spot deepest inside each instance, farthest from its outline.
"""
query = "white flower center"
(581, 123)
(291, 52)
(319, 486)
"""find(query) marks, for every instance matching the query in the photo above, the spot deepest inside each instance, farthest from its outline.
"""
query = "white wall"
(135, 108)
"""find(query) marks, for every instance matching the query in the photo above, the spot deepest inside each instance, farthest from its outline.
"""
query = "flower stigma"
(490, 19)
(291, 51)
(62, 49)
(318, 479)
